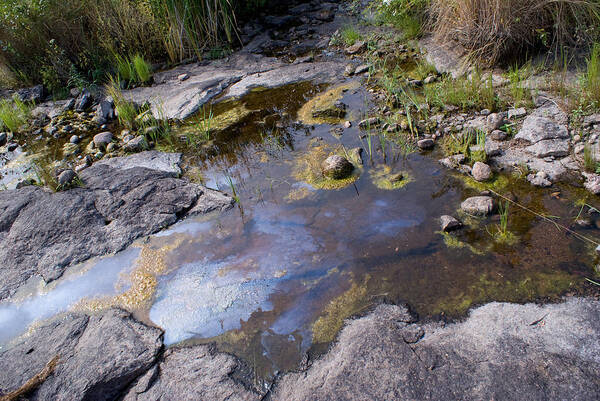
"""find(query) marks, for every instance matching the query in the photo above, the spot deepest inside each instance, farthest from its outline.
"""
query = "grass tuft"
(13, 114)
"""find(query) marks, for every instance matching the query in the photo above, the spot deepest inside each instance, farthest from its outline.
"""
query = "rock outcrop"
(122, 199)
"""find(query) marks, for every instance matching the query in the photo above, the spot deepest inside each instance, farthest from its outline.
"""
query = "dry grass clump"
(497, 30)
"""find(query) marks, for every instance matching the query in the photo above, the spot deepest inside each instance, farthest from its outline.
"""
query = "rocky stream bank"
(115, 190)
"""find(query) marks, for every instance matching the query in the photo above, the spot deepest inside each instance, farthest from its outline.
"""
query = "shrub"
(408, 15)
(496, 30)
(13, 114)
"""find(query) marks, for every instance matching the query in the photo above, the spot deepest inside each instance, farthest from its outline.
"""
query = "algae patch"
(150, 264)
(383, 178)
(324, 108)
(452, 242)
(331, 321)
(498, 183)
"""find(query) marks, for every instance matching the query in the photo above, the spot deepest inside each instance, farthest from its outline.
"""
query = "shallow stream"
(274, 278)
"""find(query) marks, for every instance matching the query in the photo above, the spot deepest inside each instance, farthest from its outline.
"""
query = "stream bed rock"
(122, 199)
(502, 351)
(98, 356)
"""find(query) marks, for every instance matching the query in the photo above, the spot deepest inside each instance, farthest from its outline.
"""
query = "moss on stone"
(308, 169)
(498, 182)
(452, 241)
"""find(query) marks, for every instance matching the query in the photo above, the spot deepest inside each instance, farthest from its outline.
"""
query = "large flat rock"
(42, 233)
(190, 374)
(235, 76)
(99, 356)
(501, 352)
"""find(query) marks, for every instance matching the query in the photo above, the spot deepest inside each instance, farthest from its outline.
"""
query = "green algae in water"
(322, 109)
(531, 285)
(453, 242)
(339, 309)
(308, 169)
(383, 178)
(499, 182)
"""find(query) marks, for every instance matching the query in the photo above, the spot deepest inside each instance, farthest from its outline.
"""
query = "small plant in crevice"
(126, 110)
(350, 35)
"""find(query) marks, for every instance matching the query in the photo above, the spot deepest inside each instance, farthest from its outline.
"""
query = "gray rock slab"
(191, 374)
(99, 356)
(174, 99)
(499, 352)
(42, 233)
(318, 72)
(154, 160)
(550, 147)
(536, 128)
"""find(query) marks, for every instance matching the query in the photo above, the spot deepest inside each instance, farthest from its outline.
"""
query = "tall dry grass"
(497, 30)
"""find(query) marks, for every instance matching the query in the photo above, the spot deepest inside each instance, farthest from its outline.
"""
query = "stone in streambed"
(425, 144)
(479, 205)
(337, 167)
(481, 172)
(449, 223)
(102, 139)
(66, 177)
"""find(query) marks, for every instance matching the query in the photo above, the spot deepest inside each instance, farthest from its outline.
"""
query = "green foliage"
(13, 114)
(468, 93)
(143, 70)
(203, 128)
(37, 36)
(591, 80)
(134, 69)
(406, 15)
(126, 110)
(520, 96)
(350, 35)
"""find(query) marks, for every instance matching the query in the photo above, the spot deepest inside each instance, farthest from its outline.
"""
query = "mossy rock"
(308, 169)
(383, 178)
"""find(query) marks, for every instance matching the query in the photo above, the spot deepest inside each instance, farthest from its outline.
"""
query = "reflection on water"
(102, 279)
(278, 275)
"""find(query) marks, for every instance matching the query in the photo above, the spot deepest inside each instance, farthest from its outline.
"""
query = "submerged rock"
(478, 205)
(337, 167)
(449, 223)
